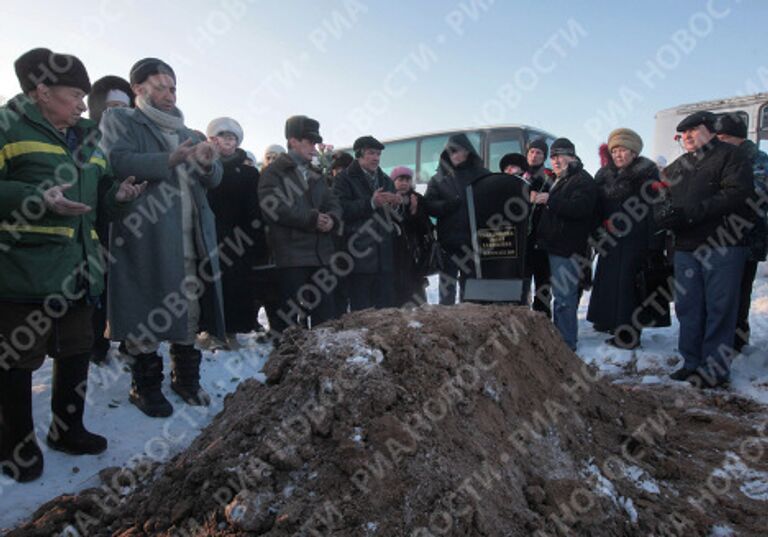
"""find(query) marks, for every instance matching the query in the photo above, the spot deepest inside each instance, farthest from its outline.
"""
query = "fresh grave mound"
(465, 420)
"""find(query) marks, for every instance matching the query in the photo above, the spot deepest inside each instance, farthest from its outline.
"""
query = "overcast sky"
(576, 69)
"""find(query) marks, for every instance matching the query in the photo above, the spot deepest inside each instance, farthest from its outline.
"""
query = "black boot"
(682, 374)
(625, 337)
(20, 456)
(185, 374)
(67, 432)
(146, 387)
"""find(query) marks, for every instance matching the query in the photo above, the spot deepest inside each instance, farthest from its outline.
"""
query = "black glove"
(667, 216)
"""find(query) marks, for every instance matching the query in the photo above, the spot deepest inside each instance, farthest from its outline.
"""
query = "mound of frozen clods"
(467, 420)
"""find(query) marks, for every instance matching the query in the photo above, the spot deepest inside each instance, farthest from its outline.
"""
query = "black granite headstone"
(499, 212)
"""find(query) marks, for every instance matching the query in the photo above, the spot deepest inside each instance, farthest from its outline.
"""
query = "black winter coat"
(446, 200)
(623, 194)
(570, 215)
(541, 181)
(409, 247)
(368, 232)
(235, 204)
(708, 186)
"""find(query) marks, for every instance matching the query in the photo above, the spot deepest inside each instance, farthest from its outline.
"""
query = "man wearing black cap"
(732, 129)
(537, 260)
(53, 182)
(367, 197)
(301, 213)
(567, 220)
(709, 186)
(165, 252)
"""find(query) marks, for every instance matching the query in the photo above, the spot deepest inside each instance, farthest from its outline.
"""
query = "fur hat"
(605, 155)
(97, 98)
(540, 144)
(513, 159)
(400, 171)
(274, 148)
(563, 146)
(625, 138)
(303, 127)
(225, 124)
(341, 159)
(43, 66)
(147, 67)
(732, 124)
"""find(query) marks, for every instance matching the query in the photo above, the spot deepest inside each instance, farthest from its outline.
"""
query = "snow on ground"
(658, 356)
(132, 435)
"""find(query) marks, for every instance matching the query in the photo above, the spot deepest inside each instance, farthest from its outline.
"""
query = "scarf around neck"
(172, 121)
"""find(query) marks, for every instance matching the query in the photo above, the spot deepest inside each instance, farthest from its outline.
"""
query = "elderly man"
(710, 184)
(301, 213)
(366, 193)
(568, 218)
(53, 181)
(165, 251)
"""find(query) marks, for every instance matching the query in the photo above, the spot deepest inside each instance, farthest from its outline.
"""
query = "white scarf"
(172, 121)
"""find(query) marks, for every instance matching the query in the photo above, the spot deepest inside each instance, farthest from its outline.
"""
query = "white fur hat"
(225, 124)
(274, 148)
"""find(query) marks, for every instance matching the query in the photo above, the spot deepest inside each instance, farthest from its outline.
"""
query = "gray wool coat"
(146, 274)
(290, 206)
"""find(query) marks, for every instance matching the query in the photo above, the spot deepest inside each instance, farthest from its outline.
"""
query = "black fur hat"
(97, 99)
(43, 66)
(514, 159)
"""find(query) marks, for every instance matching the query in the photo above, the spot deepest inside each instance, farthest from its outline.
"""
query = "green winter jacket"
(43, 254)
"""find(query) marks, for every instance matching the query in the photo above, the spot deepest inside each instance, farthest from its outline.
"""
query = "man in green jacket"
(53, 179)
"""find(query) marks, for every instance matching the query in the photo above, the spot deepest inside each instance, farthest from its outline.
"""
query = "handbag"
(653, 288)
(428, 257)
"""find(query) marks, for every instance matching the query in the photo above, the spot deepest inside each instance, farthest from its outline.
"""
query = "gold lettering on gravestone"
(497, 243)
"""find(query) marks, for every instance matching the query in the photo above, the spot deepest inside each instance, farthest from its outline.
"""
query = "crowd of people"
(194, 240)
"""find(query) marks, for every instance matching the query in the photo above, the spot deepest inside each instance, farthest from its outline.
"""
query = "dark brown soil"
(467, 420)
